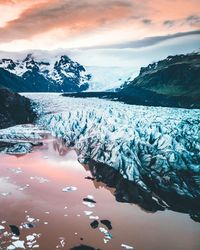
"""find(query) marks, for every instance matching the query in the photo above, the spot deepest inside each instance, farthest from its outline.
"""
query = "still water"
(32, 198)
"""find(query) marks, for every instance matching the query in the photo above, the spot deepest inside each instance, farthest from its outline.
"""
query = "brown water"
(64, 211)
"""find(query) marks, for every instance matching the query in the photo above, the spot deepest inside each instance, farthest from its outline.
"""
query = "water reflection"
(60, 215)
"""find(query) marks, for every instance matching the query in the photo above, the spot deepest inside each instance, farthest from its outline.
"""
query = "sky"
(117, 24)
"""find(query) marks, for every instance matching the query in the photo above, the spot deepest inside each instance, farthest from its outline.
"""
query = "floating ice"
(19, 244)
(88, 204)
(61, 243)
(93, 217)
(90, 197)
(39, 179)
(11, 247)
(22, 133)
(5, 194)
(69, 189)
(16, 170)
(21, 138)
(29, 219)
(88, 213)
(126, 246)
(107, 235)
(23, 187)
(30, 237)
(103, 230)
(15, 238)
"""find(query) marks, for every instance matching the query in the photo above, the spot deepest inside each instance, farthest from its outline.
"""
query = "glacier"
(20, 139)
(156, 148)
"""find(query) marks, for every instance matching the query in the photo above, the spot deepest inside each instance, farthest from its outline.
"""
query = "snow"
(137, 141)
(47, 67)
(107, 78)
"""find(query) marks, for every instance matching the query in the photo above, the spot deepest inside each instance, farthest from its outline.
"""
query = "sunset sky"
(53, 24)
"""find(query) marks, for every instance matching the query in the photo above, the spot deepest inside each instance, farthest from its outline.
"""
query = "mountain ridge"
(175, 76)
(172, 82)
(54, 75)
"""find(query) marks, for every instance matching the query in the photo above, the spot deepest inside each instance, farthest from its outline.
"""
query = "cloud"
(193, 20)
(65, 23)
(149, 41)
(147, 21)
(73, 16)
(168, 23)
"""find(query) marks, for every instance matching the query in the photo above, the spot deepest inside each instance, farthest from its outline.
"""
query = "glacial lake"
(32, 198)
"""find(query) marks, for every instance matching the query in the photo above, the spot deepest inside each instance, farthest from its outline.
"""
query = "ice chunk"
(39, 179)
(89, 204)
(88, 213)
(5, 194)
(69, 189)
(11, 247)
(93, 217)
(30, 237)
(19, 244)
(2, 227)
(126, 246)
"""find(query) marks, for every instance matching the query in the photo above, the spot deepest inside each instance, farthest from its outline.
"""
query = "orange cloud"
(69, 19)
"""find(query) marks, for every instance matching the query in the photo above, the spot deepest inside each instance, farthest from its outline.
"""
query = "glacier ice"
(20, 139)
(155, 144)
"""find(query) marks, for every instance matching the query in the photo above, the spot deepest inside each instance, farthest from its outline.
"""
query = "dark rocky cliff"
(175, 79)
(14, 109)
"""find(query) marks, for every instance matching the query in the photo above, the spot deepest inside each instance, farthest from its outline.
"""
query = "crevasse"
(154, 143)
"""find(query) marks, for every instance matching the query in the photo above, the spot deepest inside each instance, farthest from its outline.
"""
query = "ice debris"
(2, 227)
(69, 189)
(126, 246)
(19, 244)
(88, 204)
(39, 179)
(88, 213)
(107, 235)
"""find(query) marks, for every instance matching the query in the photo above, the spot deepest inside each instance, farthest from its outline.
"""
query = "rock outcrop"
(175, 79)
(14, 109)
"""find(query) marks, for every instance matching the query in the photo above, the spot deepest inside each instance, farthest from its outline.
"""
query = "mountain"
(14, 109)
(172, 82)
(32, 75)
(176, 79)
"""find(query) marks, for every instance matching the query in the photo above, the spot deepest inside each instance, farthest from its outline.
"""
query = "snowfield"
(161, 144)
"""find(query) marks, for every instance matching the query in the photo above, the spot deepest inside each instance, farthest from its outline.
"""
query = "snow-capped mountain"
(35, 75)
